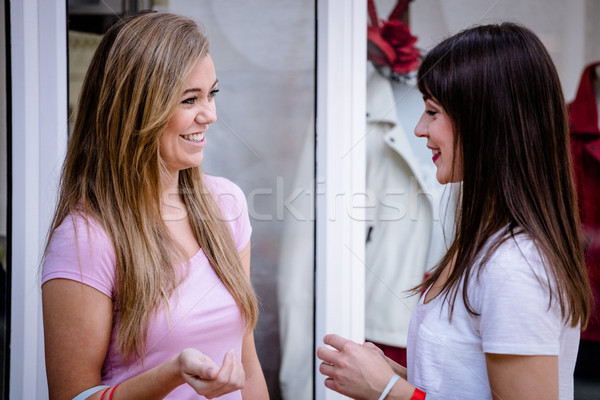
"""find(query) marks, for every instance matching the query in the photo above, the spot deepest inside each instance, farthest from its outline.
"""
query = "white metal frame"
(38, 43)
(340, 170)
(39, 131)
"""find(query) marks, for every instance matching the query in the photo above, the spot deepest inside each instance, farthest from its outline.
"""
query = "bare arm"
(522, 377)
(77, 329)
(255, 387)
(398, 369)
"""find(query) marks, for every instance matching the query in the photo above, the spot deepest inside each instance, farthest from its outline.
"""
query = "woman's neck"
(170, 181)
(172, 207)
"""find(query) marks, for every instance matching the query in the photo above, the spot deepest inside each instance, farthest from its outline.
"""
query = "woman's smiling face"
(435, 125)
(182, 143)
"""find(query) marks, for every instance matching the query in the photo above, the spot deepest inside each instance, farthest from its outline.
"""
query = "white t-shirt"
(447, 359)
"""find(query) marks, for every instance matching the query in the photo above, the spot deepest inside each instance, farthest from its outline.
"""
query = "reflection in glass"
(264, 141)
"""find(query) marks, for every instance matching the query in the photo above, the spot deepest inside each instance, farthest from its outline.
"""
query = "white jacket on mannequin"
(404, 236)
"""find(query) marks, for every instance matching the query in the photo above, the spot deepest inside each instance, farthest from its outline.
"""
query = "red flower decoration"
(391, 44)
(399, 37)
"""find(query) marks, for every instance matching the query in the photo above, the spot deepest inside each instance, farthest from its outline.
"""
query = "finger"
(231, 377)
(370, 346)
(198, 364)
(238, 376)
(327, 369)
(205, 370)
(199, 371)
(373, 347)
(226, 368)
(330, 384)
(327, 355)
(336, 341)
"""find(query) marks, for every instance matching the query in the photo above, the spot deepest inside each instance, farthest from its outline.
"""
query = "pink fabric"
(203, 314)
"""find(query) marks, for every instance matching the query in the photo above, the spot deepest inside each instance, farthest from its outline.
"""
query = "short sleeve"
(80, 250)
(233, 205)
(512, 297)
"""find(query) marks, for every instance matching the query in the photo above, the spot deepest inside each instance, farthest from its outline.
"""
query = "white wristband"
(389, 386)
(87, 393)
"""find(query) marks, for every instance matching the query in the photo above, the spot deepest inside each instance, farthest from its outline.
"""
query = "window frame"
(38, 129)
(340, 174)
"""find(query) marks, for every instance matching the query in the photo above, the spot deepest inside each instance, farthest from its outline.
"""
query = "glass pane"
(263, 140)
(4, 362)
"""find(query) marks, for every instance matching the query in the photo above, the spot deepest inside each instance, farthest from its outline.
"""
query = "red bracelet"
(417, 395)
(113, 391)
(103, 393)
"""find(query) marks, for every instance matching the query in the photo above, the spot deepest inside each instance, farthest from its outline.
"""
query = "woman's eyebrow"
(198, 89)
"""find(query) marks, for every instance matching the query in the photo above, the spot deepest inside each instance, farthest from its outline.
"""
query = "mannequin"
(401, 223)
(400, 175)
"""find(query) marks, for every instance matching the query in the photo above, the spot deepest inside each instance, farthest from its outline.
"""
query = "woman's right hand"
(207, 378)
(358, 371)
(398, 369)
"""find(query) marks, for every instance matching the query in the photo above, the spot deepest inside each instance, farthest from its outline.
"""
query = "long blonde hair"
(112, 171)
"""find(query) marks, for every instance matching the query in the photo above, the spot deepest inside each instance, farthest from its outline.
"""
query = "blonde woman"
(145, 282)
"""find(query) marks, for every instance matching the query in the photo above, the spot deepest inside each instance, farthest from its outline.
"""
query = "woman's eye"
(430, 112)
(191, 100)
(213, 93)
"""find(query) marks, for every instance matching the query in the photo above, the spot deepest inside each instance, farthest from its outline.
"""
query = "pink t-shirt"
(203, 314)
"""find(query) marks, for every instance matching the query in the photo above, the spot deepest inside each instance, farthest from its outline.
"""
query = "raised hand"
(207, 378)
(352, 369)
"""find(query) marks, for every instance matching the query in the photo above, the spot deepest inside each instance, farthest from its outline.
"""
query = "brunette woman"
(502, 310)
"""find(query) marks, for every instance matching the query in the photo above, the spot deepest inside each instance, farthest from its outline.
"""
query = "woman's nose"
(207, 115)
(421, 128)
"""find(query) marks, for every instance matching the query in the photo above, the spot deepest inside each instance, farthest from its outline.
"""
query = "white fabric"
(401, 215)
(447, 359)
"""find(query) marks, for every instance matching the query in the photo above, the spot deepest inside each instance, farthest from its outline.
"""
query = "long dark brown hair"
(502, 93)
(112, 171)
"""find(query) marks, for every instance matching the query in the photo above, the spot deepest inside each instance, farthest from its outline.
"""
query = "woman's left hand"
(207, 378)
(354, 370)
